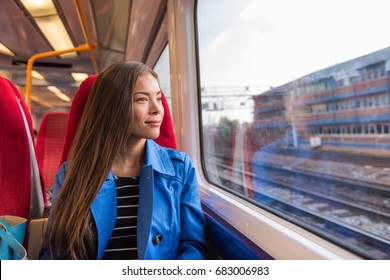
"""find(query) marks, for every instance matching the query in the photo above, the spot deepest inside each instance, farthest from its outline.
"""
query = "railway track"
(359, 159)
(357, 211)
(374, 196)
(311, 196)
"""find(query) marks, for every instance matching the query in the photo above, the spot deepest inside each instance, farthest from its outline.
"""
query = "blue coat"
(170, 222)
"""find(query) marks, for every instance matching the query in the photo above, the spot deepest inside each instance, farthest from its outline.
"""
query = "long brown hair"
(102, 132)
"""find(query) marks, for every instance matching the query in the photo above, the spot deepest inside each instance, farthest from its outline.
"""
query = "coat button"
(157, 239)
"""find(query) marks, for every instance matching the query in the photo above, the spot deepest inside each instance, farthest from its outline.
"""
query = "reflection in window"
(278, 122)
(111, 29)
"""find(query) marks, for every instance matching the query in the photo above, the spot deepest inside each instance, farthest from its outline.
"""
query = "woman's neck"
(129, 162)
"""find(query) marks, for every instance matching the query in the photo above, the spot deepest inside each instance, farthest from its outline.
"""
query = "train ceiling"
(107, 21)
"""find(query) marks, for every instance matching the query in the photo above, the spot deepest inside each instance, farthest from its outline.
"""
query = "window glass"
(278, 80)
(162, 68)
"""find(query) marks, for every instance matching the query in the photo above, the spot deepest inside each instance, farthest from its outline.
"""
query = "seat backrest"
(21, 188)
(166, 138)
(50, 144)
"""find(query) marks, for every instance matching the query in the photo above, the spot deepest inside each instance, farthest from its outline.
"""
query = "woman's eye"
(141, 99)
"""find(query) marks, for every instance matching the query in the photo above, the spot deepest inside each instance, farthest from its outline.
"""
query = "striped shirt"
(123, 242)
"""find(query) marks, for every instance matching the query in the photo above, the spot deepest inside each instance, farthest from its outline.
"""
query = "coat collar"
(158, 158)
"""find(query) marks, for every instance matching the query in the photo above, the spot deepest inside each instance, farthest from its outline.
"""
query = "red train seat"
(166, 138)
(21, 188)
(50, 144)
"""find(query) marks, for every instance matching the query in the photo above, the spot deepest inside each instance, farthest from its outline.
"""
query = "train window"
(264, 68)
(377, 100)
(379, 128)
(357, 104)
(162, 68)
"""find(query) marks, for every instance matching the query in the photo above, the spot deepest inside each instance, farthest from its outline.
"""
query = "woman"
(122, 196)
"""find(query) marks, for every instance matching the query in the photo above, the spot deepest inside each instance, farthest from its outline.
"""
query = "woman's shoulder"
(176, 154)
(64, 166)
(62, 170)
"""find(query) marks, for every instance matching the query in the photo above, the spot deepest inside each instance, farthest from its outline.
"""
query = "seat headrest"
(166, 138)
(50, 144)
(17, 155)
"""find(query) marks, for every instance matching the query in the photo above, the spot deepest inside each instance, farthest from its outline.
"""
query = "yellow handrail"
(32, 59)
(89, 46)
(87, 37)
(80, 12)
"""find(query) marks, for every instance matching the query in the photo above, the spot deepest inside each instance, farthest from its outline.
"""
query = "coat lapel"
(157, 159)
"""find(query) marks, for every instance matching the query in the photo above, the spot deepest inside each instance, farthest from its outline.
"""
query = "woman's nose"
(156, 106)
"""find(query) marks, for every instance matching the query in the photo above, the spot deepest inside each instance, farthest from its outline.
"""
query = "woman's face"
(147, 108)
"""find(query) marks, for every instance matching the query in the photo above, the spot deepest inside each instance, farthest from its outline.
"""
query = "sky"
(269, 43)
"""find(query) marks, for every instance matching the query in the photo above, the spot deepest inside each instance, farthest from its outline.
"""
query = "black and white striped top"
(123, 242)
